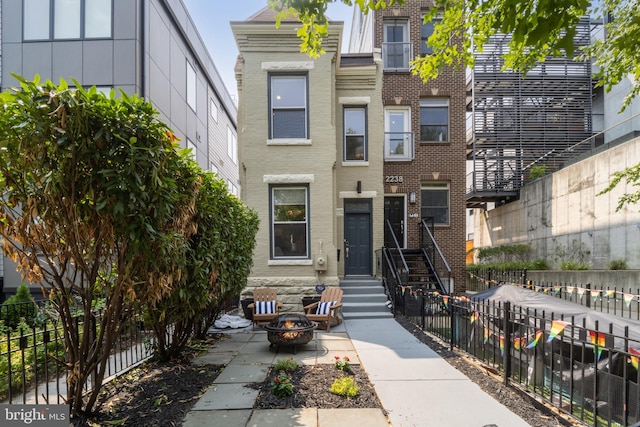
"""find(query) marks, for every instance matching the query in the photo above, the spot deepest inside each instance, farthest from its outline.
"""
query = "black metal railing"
(32, 353)
(479, 278)
(616, 300)
(394, 266)
(435, 257)
(584, 369)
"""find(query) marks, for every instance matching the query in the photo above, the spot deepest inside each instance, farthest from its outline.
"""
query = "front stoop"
(364, 299)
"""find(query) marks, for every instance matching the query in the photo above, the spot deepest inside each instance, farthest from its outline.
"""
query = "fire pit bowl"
(290, 329)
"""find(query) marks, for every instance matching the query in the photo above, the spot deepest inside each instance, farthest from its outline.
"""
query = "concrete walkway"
(415, 385)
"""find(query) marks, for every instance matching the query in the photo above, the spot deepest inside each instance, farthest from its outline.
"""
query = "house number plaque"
(393, 178)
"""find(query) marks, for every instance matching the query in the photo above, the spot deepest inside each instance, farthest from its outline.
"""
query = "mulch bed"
(311, 386)
(160, 394)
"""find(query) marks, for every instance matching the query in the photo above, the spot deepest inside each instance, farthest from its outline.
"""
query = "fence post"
(588, 303)
(507, 327)
(451, 323)
(422, 309)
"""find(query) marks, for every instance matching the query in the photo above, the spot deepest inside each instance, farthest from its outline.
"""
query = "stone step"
(367, 315)
(351, 307)
(362, 289)
(371, 298)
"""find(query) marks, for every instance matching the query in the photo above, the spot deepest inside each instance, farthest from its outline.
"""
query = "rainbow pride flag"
(557, 326)
(536, 339)
(634, 359)
(598, 340)
(628, 298)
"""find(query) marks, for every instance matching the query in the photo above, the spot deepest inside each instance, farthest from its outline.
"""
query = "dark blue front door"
(357, 232)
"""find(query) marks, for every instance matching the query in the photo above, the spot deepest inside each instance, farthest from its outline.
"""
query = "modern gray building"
(147, 47)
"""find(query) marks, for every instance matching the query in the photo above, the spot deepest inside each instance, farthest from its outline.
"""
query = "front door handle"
(346, 248)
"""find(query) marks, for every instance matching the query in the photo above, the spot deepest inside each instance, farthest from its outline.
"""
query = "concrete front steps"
(364, 299)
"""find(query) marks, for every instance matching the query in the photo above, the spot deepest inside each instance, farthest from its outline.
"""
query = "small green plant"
(573, 256)
(342, 364)
(20, 306)
(617, 264)
(282, 385)
(537, 171)
(345, 386)
(288, 365)
(573, 265)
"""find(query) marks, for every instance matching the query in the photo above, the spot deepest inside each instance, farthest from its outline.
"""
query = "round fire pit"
(290, 329)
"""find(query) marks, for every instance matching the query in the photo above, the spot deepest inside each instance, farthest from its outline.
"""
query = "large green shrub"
(96, 205)
(217, 260)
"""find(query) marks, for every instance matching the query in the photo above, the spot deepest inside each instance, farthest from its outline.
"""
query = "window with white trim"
(213, 110)
(213, 168)
(193, 148)
(288, 106)
(434, 120)
(289, 222)
(435, 202)
(232, 145)
(398, 138)
(67, 19)
(355, 133)
(191, 86)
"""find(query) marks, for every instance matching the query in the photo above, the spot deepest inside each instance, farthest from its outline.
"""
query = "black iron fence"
(32, 353)
(587, 371)
(617, 300)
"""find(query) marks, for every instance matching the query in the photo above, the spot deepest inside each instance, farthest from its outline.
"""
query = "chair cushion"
(265, 307)
(324, 307)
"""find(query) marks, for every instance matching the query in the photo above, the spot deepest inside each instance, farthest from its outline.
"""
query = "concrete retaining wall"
(563, 212)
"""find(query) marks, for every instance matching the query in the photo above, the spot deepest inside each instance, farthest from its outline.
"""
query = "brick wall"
(444, 160)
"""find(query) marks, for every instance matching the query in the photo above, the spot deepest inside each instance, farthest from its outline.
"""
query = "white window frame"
(232, 145)
(436, 186)
(434, 103)
(191, 86)
(305, 78)
(392, 134)
(213, 110)
(346, 133)
(277, 252)
(194, 149)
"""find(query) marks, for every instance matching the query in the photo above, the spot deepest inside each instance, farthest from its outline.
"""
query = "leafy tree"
(95, 205)
(539, 28)
(632, 176)
(218, 259)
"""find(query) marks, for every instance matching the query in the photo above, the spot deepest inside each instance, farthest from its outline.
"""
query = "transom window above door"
(288, 106)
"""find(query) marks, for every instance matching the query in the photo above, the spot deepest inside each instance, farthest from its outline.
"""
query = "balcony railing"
(398, 146)
(396, 56)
